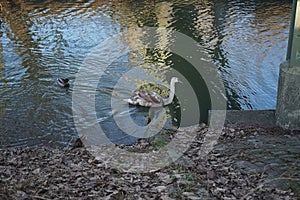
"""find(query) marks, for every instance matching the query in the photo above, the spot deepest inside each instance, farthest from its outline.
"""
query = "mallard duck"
(149, 98)
(63, 82)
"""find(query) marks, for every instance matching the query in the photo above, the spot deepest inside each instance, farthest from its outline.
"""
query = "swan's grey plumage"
(149, 98)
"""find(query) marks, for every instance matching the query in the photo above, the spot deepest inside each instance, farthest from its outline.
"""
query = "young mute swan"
(149, 98)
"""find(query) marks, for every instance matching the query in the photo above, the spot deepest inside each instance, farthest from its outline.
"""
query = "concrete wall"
(288, 100)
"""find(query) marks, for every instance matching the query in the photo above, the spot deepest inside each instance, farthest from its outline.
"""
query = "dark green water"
(43, 40)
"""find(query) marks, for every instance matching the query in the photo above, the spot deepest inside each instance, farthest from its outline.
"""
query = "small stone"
(210, 175)
(165, 178)
(202, 192)
(202, 125)
(165, 197)
(21, 194)
(36, 171)
(190, 195)
(161, 188)
(182, 182)
(178, 176)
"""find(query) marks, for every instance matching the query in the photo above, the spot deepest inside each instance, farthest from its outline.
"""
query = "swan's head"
(175, 80)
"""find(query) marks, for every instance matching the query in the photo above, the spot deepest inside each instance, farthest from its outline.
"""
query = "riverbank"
(247, 163)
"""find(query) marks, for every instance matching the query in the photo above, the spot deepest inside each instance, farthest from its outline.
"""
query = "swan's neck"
(171, 95)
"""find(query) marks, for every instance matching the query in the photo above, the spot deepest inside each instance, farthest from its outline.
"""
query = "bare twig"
(39, 197)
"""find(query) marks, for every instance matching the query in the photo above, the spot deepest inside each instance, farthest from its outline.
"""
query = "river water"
(245, 41)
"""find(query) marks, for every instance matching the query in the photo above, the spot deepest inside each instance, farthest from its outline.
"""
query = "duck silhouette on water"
(63, 82)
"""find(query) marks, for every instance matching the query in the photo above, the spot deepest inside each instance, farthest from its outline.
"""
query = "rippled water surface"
(43, 40)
